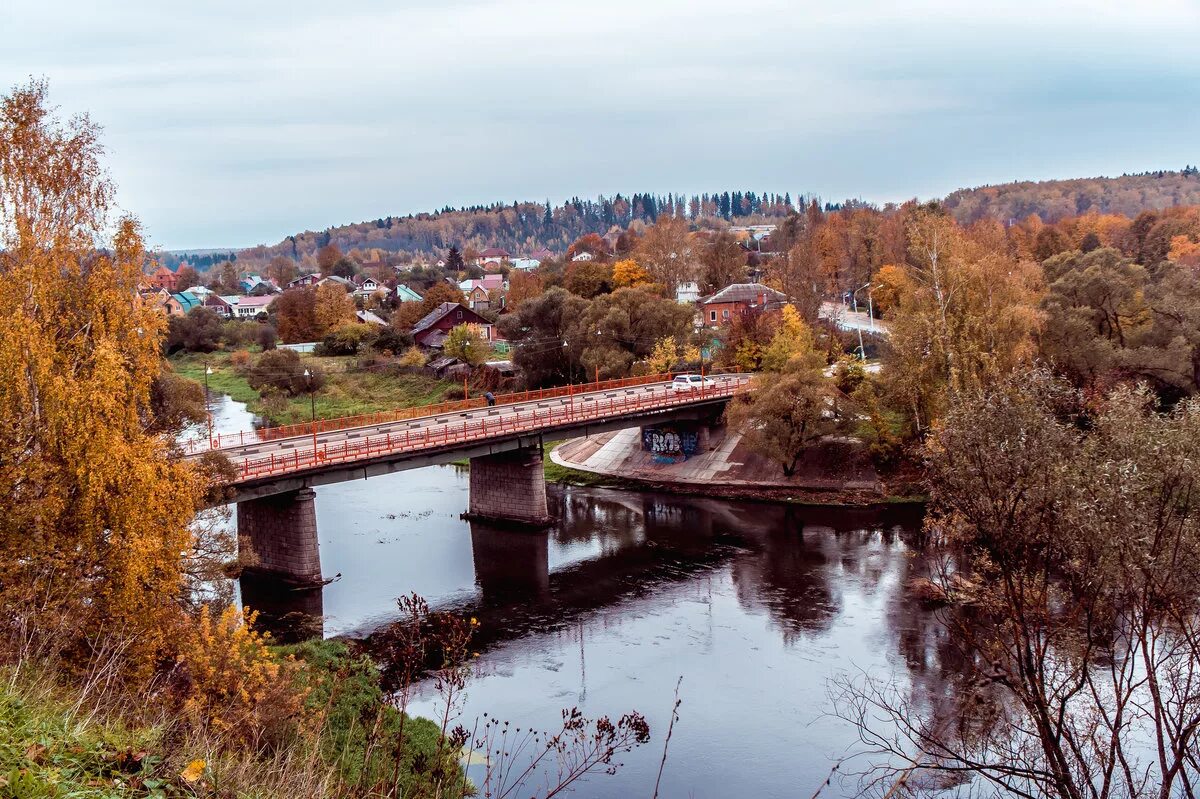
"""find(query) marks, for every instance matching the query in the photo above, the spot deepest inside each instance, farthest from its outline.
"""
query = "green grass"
(354, 393)
(48, 751)
(223, 378)
(347, 391)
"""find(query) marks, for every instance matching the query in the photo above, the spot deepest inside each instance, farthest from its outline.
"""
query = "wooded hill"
(522, 227)
(1053, 200)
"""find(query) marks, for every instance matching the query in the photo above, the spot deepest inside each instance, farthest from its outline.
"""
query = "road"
(588, 404)
(847, 319)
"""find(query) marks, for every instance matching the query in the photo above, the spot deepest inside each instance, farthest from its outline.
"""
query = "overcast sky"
(233, 124)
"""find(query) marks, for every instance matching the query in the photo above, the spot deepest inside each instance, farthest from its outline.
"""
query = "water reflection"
(757, 606)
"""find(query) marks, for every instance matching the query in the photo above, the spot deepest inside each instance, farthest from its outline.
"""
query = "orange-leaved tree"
(94, 511)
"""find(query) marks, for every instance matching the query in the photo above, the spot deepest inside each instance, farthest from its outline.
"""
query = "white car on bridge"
(692, 382)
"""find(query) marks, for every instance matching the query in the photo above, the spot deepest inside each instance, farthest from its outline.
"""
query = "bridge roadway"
(274, 466)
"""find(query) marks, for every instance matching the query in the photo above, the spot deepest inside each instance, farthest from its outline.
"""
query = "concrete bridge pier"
(277, 536)
(510, 564)
(509, 487)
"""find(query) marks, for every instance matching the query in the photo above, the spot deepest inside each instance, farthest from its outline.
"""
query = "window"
(725, 314)
(460, 314)
(712, 316)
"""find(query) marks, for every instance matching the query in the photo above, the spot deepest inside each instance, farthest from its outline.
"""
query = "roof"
(253, 302)
(162, 269)
(430, 319)
(487, 282)
(339, 280)
(305, 278)
(370, 318)
(408, 294)
(541, 254)
(185, 300)
(746, 292)
(494, 252)
(433, 317)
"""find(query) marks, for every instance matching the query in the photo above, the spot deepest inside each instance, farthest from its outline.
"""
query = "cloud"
(234, 124)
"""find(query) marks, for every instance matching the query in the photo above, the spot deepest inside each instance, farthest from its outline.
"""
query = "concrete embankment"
(835, 471)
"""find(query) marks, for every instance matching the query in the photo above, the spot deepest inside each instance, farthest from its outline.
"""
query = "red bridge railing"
(471, 430)
(241, 438)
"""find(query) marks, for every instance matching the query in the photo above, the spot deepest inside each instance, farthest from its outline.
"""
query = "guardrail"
(473, 430)
(241, 438)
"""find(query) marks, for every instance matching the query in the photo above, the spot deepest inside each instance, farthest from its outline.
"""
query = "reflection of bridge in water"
(276, 475)
(780, 559)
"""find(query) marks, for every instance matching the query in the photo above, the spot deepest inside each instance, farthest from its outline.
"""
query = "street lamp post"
(862, 353)
(312, 403)
(207, 407)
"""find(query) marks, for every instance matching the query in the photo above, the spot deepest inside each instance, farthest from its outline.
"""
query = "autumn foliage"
(95, 511)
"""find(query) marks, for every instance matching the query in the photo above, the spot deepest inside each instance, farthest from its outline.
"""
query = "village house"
(431, 331)
(181, 303)
(484, 293)
(731, 301)
(163, 278)
(687, 291)
(584, 256)
(305, 280)
(369, 318)
(222, 305)
(405, 294)
(250, 307)
(525, 263)
(366, 286)
(340, 281)
(492, 255)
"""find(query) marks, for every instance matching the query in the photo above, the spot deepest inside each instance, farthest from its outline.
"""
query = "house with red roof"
(431, 331)
(492, 255)
(163, 278)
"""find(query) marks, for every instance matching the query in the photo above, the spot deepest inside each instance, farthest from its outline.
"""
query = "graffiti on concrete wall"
(669, 444)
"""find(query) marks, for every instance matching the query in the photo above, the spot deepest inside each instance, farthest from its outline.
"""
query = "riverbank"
(728, 470)
(351, 388)
(59, 739)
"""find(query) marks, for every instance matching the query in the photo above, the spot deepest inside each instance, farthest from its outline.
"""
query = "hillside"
(522, 227)
(1053, 200)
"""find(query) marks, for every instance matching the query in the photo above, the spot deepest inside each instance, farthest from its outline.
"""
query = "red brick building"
(731, 301)
(163, 278)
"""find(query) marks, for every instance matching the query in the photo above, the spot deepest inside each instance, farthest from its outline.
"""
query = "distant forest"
(1053, 200)
(522, 227)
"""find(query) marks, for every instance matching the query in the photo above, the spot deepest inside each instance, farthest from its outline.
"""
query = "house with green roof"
(405, 294)
(180, 303)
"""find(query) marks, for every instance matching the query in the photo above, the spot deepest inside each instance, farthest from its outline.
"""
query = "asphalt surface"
(332, 438)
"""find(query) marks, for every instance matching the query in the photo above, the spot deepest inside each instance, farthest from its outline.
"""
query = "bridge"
(278, 468)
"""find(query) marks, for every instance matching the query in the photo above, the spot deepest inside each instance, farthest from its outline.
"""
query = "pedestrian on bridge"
(491, 398)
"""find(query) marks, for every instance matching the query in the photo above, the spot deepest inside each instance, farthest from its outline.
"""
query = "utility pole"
(312, 403)
(207, 407)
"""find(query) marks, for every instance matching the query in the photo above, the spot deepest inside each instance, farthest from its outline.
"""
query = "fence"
(225, 440)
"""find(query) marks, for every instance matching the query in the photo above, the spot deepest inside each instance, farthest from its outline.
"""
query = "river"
(755, 606)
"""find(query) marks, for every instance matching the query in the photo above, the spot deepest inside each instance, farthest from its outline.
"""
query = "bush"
(266, 336)
(413, 358)
(346, 687)
(240, 360)
(281, 371)
(199, 331)
(393, 341)
(347, 339)
(235, 686)
(238, 333)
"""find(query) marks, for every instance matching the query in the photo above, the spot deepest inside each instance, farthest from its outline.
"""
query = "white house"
(525, 263)
(584, 256)
(687, 291)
